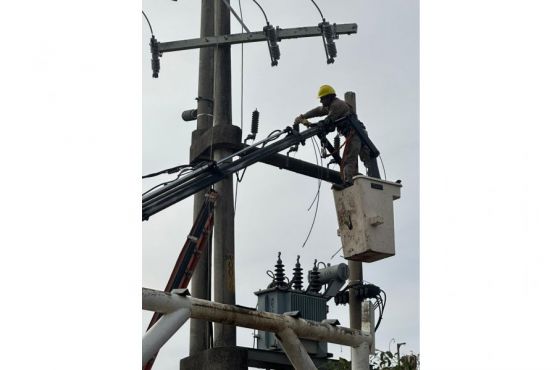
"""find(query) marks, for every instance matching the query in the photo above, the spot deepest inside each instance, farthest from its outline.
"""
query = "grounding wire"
(318, 9)
(262, 10)
(149, 24)
(317, 204)
(383, 165)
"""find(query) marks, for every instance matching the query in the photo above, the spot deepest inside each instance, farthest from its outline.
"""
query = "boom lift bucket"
(365, 218)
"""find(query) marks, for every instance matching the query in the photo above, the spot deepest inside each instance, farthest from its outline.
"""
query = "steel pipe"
(154, 300)
(162, 330)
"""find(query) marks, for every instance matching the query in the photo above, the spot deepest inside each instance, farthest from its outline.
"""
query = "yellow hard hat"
(325, 90)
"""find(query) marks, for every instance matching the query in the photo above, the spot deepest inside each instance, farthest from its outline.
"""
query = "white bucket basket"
(365, 218)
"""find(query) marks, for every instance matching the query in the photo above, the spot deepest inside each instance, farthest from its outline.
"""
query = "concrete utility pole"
(224, 236)
(201, 280)
(355, 277)
(355, 267)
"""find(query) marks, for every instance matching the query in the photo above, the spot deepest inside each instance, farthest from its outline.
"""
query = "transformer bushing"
(279, 276)
(314, 284)
(297, 280)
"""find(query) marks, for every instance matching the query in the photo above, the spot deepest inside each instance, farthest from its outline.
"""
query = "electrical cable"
(235, 198)
(382, 303)
(273, 132)
(319, 171)
(262, 10)
(149, 24)
(317, 204)
(168, 171)
(269, 135)
(317, 155)
(239, 179)
(379, 308)
(184, 170)
(263, 142)
(383, 165)
(155, 187)
(338, 250)
(318, 9)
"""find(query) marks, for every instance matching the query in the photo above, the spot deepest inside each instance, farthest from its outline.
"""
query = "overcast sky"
(379, 63)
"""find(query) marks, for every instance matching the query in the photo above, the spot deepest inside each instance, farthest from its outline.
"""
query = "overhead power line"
(149, 24)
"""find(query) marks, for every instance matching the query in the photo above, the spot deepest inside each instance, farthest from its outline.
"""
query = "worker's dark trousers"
(352, 150)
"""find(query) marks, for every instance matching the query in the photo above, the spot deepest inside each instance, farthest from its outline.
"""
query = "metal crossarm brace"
(226, 3)
(213, 172)
(238, 38)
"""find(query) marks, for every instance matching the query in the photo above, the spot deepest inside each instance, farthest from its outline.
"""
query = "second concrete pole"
(201, 280)
(224, 231)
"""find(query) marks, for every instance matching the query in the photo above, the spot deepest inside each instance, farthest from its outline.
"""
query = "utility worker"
(334, 109)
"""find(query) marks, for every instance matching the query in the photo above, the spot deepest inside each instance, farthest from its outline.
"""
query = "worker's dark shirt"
(337, 109)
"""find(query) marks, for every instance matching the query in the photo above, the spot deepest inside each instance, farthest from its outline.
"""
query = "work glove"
(300, 120)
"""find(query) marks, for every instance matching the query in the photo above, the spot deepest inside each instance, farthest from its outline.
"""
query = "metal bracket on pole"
(238, 38)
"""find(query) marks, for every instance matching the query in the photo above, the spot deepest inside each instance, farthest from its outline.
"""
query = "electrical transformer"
(289, 298)
(281, 300)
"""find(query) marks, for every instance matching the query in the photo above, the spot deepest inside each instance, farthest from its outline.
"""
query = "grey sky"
(379, 63)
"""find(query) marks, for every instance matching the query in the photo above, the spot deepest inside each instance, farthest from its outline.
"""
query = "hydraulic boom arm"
(211, 172)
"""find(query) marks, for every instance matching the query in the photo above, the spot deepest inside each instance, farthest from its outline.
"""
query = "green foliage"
(342, 364)
(388, 361)
(381, 361)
